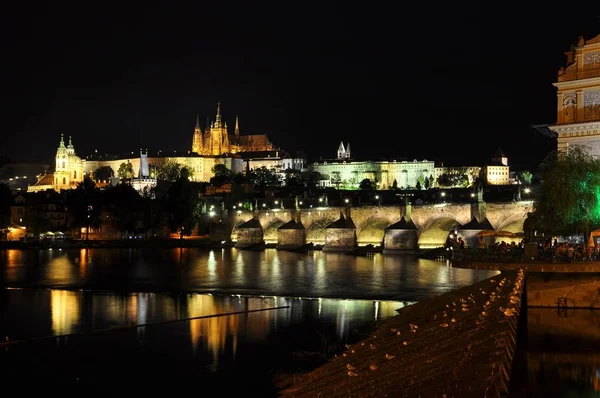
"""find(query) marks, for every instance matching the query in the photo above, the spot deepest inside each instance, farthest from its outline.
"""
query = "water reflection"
(563, 352)
(215, 336)
(272, 272)
(64, 309)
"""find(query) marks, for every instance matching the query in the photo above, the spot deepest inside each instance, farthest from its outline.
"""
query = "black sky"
(446, 81)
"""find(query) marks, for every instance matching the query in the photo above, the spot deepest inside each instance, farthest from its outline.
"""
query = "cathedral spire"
(62, 141)
(218, 118)
(341, 152)
(237, 126)
(197, 144)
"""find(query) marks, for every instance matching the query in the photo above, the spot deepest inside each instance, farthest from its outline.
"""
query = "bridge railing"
(517, 255)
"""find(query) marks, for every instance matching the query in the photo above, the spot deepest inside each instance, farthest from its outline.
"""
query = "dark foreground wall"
(459, 344)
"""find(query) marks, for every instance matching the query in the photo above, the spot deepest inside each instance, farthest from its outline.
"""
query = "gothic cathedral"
(216, 140)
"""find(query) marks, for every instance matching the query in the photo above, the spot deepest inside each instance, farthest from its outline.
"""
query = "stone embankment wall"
(563, 290)
(459, 344)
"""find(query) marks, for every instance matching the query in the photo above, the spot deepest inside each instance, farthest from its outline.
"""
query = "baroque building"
(578, 97)
(68, 171)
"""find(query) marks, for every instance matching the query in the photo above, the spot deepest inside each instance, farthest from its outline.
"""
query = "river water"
(227, 319)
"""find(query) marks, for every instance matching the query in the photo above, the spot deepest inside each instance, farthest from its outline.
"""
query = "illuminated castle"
(578, 98)
(68, 171)
(216, 140)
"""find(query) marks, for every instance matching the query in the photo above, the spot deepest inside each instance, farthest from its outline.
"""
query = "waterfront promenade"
(459, 344)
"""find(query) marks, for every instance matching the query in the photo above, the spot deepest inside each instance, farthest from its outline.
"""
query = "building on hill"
(498, 171)
(578, 98)
(68, 170)
(216, 140)
(345, 172)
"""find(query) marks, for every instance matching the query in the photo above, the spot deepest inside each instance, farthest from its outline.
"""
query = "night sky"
(446, 81)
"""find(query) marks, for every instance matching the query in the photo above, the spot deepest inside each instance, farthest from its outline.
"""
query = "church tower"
(68, 171)
(237, 127)
(197, 146)
(341, 152)
(61, 175)
(348, 151)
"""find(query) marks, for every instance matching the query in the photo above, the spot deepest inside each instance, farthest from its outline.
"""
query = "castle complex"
(213, 146)
(578, 98)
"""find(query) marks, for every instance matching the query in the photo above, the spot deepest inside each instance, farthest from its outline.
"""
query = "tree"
(395, 185)
(263, 177)
(525, 177)
(125, 170)
(418, 186)
(292, 177)
(183, 205)
(366, 184)
(222, 175)
(427, 183)
(104, 173)
(126, 206)
(336, 179)
(169, 171)
(567, 202)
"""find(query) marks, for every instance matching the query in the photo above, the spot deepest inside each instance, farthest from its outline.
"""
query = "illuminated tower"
(69, 167)
(578, 97)
(341, 152)
(237, 127)
(197, 146)
(348, 151)
(61, 175)
(219, 142)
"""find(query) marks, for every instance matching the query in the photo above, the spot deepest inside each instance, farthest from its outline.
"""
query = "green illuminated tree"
(525, 177)
(568, 200)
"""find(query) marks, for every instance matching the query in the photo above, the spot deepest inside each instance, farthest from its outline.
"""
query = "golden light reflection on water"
(85, 258)
(212, 332)
(64, 310)
(14, 257)
(60, 270)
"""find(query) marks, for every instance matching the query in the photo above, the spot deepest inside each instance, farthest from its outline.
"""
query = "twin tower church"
(214, 145)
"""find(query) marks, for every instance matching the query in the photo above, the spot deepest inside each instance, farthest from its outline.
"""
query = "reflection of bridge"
(372, 224)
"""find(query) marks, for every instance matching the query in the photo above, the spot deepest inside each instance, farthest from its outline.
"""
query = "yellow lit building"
(216, 140)
(578, 97)
(68, 171)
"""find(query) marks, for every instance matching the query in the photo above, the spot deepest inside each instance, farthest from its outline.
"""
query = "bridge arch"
(372, 231)
(315, 232)
(513, 223)
(270, 232)
(236, 223)
(435, 233)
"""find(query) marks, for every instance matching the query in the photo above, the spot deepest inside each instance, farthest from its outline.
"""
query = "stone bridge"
(433, 222)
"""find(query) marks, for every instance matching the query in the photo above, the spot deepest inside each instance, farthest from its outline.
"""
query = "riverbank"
(457, 344)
